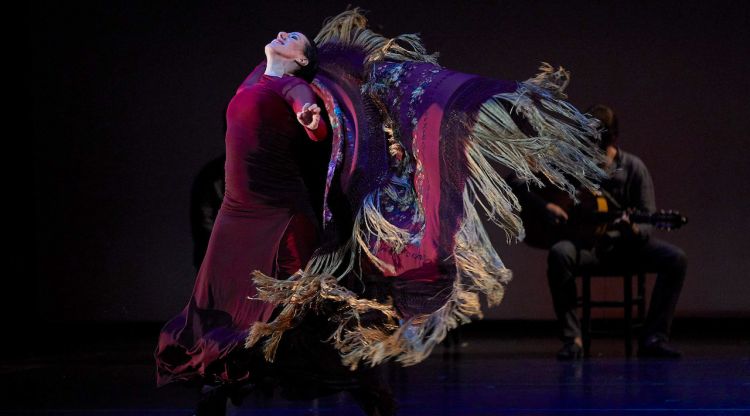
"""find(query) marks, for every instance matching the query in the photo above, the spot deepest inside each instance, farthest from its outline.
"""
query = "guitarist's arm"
(642, 198)
(527, 198)
(534, 202)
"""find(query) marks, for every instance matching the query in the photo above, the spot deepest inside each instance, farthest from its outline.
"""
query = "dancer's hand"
(309, 116)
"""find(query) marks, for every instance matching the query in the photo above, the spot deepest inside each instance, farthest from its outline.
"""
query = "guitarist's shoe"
(570, 352)
(657, 349)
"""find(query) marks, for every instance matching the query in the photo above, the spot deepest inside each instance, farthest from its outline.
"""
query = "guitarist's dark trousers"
(566, 260)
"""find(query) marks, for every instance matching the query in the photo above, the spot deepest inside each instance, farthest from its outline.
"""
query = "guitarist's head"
(609, 122)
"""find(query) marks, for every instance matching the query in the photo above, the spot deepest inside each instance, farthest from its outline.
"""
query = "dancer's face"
(289, 45)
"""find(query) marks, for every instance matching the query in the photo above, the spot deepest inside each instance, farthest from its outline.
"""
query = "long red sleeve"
(298, 93)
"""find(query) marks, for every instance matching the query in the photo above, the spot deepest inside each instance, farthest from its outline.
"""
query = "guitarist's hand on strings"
(558, 215)
(628, 229)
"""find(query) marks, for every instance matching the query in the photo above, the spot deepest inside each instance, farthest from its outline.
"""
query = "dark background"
(128, 102)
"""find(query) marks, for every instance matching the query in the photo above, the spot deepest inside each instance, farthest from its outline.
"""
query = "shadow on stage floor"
(501, 368)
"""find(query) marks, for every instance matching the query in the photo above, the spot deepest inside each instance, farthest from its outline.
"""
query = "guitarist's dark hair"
(609, 122)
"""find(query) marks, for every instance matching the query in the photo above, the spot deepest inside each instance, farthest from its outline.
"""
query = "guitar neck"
(669, 220)
(639, 217)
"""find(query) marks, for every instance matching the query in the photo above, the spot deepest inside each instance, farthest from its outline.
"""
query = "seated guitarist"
(625, 245)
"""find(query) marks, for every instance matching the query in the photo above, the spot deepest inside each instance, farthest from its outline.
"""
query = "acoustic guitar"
(587, 221)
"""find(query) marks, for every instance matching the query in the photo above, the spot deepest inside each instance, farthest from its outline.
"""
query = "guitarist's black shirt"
(631, 186)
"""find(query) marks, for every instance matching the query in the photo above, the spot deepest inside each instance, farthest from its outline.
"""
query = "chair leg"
(586, 321)
(628, 301)
(641, 297)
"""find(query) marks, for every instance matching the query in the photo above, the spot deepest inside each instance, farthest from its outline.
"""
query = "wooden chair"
(631, 323)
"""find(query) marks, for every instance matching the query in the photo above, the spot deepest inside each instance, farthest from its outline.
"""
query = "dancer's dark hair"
(308, 71)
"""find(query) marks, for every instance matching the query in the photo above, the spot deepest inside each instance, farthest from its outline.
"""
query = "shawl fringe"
(350, 28)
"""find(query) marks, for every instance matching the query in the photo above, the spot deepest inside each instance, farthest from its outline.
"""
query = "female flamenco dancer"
(401, 255)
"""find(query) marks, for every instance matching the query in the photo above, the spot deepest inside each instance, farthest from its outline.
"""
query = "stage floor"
(493, 374)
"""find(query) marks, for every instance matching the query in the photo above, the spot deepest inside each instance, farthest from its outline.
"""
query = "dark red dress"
(266, 222)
